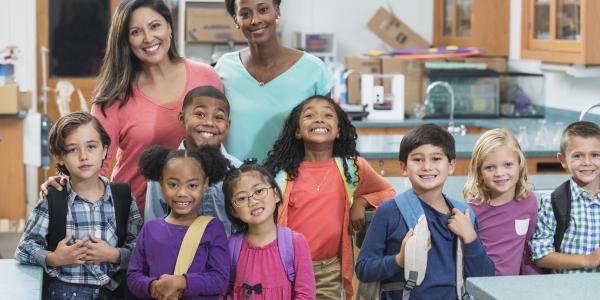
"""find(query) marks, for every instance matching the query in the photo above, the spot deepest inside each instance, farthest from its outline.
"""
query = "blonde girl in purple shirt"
(500, 196)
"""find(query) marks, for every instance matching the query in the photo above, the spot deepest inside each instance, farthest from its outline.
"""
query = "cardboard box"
(414, 71)
(25, 100)
(498, 63)
(211, 25)
(9, 99)
(360, 65)
(395, 33)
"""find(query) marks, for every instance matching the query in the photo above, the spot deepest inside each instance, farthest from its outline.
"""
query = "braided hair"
(288, 151)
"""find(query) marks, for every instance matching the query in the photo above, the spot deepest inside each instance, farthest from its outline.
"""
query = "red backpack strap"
(286, 251)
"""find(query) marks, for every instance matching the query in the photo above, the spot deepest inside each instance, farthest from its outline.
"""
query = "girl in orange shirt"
(327, 186)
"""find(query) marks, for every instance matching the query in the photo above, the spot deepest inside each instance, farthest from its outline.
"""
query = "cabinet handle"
(381, 168)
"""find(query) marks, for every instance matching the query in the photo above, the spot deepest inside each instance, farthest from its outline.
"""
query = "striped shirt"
(84, 219)
(583, 234)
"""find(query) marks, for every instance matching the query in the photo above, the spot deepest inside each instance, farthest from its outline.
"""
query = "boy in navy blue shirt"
(427, 157)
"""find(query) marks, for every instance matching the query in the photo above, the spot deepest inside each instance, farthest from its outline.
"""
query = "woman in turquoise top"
(266, 80)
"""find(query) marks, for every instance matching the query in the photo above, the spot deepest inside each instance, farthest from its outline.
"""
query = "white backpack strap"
(415, 254)
(461, 290)
(417, 246)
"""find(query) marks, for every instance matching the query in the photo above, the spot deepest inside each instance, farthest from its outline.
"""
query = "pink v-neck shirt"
(143, 122)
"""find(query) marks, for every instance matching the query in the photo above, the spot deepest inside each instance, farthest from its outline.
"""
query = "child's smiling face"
(427, 168)
(500, 172)
(318, 123)
(206, 121)
(183, 182)
(582, 159)
(254, 200)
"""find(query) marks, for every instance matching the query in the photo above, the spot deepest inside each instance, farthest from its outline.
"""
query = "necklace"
(317, 187)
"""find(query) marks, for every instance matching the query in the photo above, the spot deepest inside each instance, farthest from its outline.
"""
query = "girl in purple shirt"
(500, 196)
(183, 175)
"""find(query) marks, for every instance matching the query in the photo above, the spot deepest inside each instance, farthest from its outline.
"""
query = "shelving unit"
(322, 45)
(202, 50)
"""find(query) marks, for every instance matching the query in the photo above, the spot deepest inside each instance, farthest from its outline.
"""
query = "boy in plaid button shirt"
(84, 263)
(580, 247)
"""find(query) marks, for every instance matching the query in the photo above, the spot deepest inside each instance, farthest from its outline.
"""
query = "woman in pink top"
(500, 196)
(141, 87)
(268, 261)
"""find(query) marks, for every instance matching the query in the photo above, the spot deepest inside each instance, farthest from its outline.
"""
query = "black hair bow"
(250, 161)
(257, 289)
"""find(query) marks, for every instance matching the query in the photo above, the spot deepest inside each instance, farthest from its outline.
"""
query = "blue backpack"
(286, 251)
(411, 210)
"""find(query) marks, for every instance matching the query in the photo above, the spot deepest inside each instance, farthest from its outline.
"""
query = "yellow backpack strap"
(350, 187)
(190, 244)
(281, 180)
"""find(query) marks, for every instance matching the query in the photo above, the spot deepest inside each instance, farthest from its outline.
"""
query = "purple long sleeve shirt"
(505, 231)
(156, 252)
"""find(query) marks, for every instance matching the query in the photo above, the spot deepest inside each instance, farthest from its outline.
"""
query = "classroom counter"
(18, 281)
(548, 287)
(379, 141)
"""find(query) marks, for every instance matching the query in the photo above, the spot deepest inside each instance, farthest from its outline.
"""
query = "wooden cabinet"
(535, 165)
(12, 170)
(561, 31)
(473, 23)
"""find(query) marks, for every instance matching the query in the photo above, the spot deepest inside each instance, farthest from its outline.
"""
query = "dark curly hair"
(228, 190)
(230, 6)
(211, 160)
(288, 151)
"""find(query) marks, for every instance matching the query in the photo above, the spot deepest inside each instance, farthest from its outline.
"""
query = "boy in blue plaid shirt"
(86, 260)
(578, 250)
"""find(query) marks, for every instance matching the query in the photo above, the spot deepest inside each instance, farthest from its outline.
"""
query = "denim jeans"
(58, 290)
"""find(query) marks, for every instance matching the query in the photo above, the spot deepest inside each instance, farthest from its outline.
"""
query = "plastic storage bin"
(522, 95)
(476, 93)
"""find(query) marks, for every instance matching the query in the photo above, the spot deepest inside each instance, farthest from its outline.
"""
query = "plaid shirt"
(84, 219)
(583, 234)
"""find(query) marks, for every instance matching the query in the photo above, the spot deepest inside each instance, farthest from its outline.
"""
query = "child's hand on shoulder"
(168, 287)
(460, 224)
(357, 213)
(67, 252)
(99, 251)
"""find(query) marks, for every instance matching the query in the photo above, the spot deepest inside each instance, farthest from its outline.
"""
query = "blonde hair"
(489, 142)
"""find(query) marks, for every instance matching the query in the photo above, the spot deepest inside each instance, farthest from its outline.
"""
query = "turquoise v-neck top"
(258, 110)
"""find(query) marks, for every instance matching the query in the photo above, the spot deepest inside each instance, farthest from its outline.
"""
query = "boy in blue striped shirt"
(86, 261)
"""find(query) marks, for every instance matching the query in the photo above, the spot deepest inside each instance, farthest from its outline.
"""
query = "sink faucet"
(585, 111)
(451, 127)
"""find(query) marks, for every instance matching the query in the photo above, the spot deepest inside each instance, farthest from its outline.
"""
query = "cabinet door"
(456, 18)
(568, 20)
(555, 25)
(448, 18)
(463, 18)
(12, 174)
